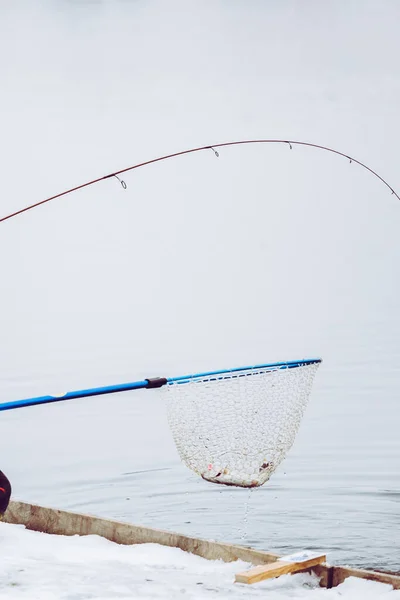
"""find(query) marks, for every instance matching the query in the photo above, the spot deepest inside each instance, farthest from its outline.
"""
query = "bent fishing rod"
(213, 148)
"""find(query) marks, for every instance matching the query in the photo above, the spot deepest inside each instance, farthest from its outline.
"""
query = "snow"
(40, 566)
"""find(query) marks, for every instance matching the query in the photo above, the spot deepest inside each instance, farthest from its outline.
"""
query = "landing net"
(236, 427)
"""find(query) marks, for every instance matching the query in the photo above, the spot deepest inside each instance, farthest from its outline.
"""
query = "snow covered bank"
(47, 567)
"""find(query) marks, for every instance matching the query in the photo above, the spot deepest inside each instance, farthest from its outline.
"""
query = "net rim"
(242, 371)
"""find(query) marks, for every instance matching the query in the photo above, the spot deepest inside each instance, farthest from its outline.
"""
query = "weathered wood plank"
(61, 522)
(342, 573)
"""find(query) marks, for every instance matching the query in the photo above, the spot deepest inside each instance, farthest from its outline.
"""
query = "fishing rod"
(212, 147)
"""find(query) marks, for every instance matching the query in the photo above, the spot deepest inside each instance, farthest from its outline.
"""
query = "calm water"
(263, 254)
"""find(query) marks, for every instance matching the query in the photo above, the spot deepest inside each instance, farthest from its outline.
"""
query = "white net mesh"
(236, 428)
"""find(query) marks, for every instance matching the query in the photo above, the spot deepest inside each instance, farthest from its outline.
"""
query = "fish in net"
(236, 427)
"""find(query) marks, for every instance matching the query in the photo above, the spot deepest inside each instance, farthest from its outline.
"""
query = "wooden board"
(341, 573)
(62, 522)
(292, 563)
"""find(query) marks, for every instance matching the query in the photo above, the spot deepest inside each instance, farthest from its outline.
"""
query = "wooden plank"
(341, 573)
(292, 563)
(61, 522)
